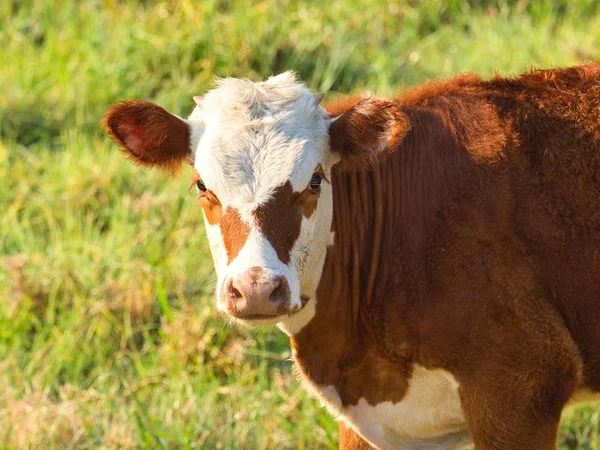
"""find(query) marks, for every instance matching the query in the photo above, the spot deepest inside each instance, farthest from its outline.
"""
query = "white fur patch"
(294, 323)
(428, 417)
(217, 246)
(331, 239)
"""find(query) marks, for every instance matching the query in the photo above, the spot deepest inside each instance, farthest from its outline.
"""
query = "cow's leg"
(349, 440)
(491, 431)
(513, 399)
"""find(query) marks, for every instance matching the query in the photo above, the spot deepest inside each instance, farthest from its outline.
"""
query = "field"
(108, 333)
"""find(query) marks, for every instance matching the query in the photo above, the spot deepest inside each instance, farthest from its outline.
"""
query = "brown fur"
(349, 440)
(209, 202)
(308, 203)
(148, 134)
(483, 225)
(307, 200)
(365, 126)
(212, 207)
(280, 220)
(235, 233)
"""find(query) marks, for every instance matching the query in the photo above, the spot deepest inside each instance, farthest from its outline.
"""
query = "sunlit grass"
(108, 334)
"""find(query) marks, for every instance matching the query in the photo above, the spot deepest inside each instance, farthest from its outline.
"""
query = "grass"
(108, 334)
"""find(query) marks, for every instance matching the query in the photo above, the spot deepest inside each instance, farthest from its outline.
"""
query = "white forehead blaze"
(258, 136)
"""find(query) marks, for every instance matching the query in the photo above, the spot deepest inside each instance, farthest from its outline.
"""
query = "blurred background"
(108, 333)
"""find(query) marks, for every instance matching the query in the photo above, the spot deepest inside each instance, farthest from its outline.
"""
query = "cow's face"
(261, 166)
(262, 170)
(262, 160)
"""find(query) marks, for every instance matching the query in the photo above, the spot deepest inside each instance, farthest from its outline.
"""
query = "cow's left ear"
(149, 135)
(367, 132)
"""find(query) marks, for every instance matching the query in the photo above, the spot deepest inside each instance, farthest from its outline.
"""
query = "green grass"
(108, 333)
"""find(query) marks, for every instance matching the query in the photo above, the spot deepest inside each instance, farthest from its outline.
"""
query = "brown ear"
(148, 134)
(367, 132)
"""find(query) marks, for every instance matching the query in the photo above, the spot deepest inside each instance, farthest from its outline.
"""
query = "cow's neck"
(333, 343)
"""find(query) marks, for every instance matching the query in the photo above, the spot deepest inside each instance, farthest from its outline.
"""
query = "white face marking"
(428, 417)
(250, 139)
(328, 395)
(293, 324)
(217, 246)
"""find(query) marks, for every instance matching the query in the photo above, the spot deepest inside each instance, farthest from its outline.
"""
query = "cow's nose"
(257, 295)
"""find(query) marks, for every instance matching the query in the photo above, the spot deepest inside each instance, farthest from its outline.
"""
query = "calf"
(434, 258)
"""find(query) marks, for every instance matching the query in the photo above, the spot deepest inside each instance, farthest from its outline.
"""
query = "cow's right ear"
(149, 135)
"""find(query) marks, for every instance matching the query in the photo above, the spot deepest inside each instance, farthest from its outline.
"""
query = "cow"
(434, 257)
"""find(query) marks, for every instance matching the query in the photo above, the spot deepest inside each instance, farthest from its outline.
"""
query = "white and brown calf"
(436, 273)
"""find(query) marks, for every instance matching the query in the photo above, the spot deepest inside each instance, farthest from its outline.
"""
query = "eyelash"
(196, 181)
(315, 183)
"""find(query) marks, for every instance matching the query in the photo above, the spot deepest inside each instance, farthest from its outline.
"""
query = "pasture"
(109, 337)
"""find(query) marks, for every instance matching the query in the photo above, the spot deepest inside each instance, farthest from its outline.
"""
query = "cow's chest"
(429, 416)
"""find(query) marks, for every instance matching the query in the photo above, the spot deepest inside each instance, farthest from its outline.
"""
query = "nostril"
(280, 294)
(232, 291)
(277, 296)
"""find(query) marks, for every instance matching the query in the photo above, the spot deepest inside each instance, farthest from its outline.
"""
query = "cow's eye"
(314, 184)
(200, 186)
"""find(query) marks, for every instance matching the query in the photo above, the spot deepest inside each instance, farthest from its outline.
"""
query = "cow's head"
(262, 163)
